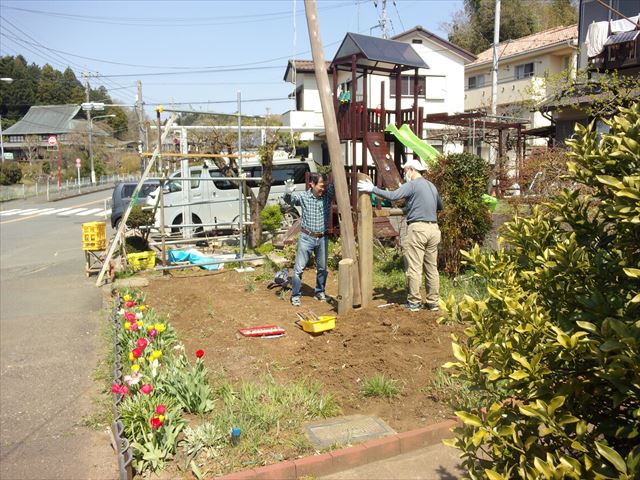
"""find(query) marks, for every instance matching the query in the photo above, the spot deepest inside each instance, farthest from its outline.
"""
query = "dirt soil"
(208, 310)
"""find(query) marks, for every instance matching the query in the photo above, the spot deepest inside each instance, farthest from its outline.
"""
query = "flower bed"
(166, 409)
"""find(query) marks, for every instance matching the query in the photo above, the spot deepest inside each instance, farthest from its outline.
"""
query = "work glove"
(289, 186)
(365, 186)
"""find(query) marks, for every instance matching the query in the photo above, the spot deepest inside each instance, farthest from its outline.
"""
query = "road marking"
(71, 212)
(55, 210)
(45, 211)
(90, 212)
(29, 211)
(13, 220)
(13, 211)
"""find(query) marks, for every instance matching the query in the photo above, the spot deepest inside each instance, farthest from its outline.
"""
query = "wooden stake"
(365, 243)
(345, 286)
(333, 141)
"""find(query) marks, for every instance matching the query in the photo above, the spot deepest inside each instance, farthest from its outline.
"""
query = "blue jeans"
(306, 245)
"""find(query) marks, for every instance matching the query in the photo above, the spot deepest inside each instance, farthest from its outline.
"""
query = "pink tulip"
(146, 389)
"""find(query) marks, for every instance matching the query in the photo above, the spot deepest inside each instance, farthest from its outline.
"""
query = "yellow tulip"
(140, 323)
(131, 358)
(160, 327)
(157, 353)
(126, 298)
(135, 368)
(149, 327)
(127, 325)
(161, 418)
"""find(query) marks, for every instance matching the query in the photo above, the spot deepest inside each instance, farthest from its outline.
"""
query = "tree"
(472, 27)
(555, 341)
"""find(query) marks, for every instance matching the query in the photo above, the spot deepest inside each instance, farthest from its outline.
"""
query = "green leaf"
(611, 181)
(555, 403)
(493, 475)
(458, 353)
(632, 272)
(519, 375)
(613, 457)
(543, 467)
(469, 418)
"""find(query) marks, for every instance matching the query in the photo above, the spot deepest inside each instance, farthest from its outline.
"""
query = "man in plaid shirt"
(316, 208)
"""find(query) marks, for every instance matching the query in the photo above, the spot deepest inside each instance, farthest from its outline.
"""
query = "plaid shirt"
(315, 211)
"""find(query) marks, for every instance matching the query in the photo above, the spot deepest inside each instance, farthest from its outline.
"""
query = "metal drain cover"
(346, 430)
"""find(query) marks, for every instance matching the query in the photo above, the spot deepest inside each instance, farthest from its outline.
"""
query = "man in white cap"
(423, 234)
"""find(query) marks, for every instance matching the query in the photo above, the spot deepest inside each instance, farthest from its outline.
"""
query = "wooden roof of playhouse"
(376, 54)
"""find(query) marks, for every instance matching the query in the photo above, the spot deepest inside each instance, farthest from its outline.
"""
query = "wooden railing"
(374, 119)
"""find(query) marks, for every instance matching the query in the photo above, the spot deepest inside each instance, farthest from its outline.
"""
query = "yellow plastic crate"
(142, 260)
(323, 323)
(94, 236)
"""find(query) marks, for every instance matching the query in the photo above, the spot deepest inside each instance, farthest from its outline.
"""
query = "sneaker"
(433, 307)
(414, 307)
(321, 297)
(295, 301)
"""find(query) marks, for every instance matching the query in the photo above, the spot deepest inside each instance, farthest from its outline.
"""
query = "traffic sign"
(53, 140)
(78, 163)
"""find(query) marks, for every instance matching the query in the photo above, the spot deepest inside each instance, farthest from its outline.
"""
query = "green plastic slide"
(426, 152)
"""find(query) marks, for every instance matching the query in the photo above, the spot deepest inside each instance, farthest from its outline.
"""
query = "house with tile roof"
(523, 67)
(32, 131)
(440, 86)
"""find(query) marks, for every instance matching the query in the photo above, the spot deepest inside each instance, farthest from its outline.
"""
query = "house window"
(524, 71)
(477, 81)
(407, 86)
(16, 138)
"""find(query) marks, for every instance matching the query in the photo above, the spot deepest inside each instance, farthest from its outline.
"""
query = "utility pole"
(87, 91)
(494, 85)
(384, 20)
(143, 147)
(333, 139)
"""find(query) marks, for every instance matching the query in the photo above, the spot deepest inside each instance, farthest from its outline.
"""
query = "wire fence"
(51, 190)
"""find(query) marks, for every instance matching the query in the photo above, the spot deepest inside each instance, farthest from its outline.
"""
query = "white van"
(215, 202)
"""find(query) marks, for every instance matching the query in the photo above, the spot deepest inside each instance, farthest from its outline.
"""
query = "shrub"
(271, 218)
(10, 173)
(139, 217)
(461, 180)
(556, 340)
(380, 386)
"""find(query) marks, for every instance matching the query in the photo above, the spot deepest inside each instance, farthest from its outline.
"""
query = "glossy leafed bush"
(555, 343)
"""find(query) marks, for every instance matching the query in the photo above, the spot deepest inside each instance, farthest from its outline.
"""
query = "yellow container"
(323, 323)
(142, 260)
(94, 236)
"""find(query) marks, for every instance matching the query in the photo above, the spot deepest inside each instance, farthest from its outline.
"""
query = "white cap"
(415, 164)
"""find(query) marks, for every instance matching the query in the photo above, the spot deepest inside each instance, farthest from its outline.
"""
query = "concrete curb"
(74, 195)
(351, 457)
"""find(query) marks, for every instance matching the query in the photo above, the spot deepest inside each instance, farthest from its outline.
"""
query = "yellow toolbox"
(94, 236)
(142, 260)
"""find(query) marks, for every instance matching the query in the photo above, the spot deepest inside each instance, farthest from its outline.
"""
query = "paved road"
(49, 324)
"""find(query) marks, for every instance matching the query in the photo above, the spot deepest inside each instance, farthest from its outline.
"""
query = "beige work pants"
(421, 252)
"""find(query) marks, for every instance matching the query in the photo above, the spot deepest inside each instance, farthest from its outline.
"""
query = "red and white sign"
(78, 163)
(53, 140)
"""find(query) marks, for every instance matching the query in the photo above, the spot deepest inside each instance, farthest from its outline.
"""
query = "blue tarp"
(194, 257)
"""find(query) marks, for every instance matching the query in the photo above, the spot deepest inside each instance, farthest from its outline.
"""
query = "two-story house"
(439, 87)
(524, 65)
(609, 42)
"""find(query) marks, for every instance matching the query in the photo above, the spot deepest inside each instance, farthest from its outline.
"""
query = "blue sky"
(160, 42)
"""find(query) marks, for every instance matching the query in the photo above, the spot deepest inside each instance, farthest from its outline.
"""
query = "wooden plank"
(387, 170)
(345, 286)
(365, 244)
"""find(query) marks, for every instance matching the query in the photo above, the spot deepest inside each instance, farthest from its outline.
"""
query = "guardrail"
(50, 189)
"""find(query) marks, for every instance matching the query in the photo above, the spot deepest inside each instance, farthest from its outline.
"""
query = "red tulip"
(155, 422)
(129, 316)
(161, 409)
(199, 353)
(142, 343)
(123, 390)
(136, 352)
(130, 304)
(115, 388)
(146, 389)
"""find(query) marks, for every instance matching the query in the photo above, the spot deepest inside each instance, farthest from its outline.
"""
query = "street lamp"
(91, 119)
(7, 80)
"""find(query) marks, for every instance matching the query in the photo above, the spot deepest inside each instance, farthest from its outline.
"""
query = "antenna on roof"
(382, 23)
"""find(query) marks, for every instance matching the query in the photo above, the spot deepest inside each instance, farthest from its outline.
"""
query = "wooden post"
(333, 141)
(345, 290)
(354, 132)
(365, 244)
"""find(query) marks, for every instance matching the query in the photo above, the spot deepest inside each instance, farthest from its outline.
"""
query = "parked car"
(122, 196)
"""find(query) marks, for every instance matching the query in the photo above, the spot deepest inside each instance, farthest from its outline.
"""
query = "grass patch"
(465, 284)
(457, 393)
(388, 269)
(380, 386)
(269, 416)
(102, 414)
